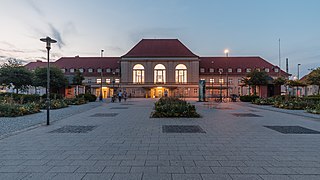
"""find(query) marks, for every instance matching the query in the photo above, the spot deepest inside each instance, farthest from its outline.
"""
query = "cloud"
(56, 35)
(35, 8)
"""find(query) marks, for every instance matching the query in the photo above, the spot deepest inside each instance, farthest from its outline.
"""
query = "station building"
(154, 67)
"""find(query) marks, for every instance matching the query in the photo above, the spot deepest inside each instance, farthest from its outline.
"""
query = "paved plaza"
(119, 141)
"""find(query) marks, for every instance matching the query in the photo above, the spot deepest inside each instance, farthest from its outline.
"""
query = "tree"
(256, 78)
(279, 81)
(77, 78)
(57, 78)
(314, 78)
(13, 74)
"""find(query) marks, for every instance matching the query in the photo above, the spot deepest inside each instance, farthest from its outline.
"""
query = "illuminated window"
(117, 81)
(98, 81)
(108, 81)
(221, 81)
(211, 81)
(195, 91)
(239, 70)
(181, 73)
(159, 73)
(138, 74)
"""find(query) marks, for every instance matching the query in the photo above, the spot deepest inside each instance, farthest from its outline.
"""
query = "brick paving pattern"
(132, 145)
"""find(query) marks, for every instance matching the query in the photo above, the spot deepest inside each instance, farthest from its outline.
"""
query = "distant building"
(157, 66)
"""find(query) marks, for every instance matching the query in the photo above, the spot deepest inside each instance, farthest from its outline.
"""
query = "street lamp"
(298, 71)
(212, 80)
(100, 97)
(226, 51)
(220, 81)
(48, 42)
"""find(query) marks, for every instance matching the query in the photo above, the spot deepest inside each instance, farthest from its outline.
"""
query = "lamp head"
(48, 41)
(226, 51)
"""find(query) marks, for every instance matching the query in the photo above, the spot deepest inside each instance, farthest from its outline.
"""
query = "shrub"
(248, 98)
(264, 101)
(173, 107)
(315, 109)
(13, 110)
(54, 104)
(53, 96)
(88, 97)
(76, 101)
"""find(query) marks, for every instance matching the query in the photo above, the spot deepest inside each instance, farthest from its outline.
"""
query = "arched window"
(181, 73)
(138, 74)
(159, 74)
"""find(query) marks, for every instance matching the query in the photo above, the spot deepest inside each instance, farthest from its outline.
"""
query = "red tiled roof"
(34, 65)
(88, 62)
(235, 63)
(159, 48)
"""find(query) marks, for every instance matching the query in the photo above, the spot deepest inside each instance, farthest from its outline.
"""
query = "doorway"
(159, 92)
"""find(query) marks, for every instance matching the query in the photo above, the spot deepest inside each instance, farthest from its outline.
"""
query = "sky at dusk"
(206, 27)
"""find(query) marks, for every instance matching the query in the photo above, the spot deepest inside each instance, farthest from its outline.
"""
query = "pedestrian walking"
(125, 96)
(119, 95)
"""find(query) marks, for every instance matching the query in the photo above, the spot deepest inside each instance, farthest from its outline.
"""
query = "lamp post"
(298, 71)
(100, 96)
(220, 81)
(226, 51)
(48, 42)
(212, 81)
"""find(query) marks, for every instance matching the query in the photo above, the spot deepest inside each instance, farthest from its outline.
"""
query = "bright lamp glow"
(226, 51)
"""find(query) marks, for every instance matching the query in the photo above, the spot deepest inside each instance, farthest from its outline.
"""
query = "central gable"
(160, 48)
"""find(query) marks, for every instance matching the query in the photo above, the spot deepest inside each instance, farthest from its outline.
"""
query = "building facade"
(155, 67)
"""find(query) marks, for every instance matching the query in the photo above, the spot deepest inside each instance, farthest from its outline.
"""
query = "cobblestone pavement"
(10, 125)
(130, 145)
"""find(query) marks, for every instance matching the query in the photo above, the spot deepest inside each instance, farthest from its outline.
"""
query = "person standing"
(119, 95)
(125, 96)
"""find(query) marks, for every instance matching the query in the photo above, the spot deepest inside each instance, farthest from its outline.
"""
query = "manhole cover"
(182, 129)
(104, 115)
(292, 130)
(74, 129)
(245, 115)
(119, 108)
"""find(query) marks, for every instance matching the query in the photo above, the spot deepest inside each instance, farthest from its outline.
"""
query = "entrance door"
(160, 93)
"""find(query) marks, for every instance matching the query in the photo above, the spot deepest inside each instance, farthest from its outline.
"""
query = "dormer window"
(220, 70)
(99, 70)
(202, 70)
(276, 70)
(258, 69)
(90, 70)
(72, 70)
(108, 70)
(81, 70)
(229, 70)
(266, 69)
(239, 70)
(63, 70)
(117, 70)
(211, 70)
(248, 70)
